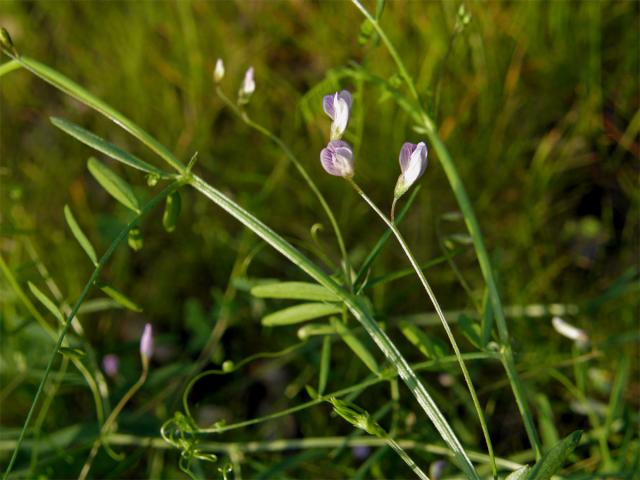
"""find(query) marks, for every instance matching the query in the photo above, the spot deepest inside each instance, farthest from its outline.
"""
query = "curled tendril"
(179, 432)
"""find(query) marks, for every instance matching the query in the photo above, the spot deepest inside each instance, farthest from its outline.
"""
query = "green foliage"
(532, 104)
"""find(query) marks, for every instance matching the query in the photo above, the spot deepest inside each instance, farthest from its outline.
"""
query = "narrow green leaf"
(325, 360)
(172, 207)
(300, 313)
(552, 461)
(74, 353)
(356, 345)
(520, 474)
(120, 298)
(616, 399)
(487, 319)
(430, 347)
(295, 291)
(112, 183)
(546, 422)
(470, 329)
(109, 149)
(46, 301)
(79, 234)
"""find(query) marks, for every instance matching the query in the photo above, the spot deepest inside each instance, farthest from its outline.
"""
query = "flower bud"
(413, 162)
(338, 107)
(146, 342)
(111, 364)
(337, 159)
(218, 71)
(6, 43)
(247, 88)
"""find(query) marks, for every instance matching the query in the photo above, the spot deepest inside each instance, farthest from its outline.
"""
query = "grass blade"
(552, 461)
(325, 364)
(79, 234)
(120, 298)
(103, 146)
(295, 291)
(300, 313)
(356, 345)
(46, 301)
(112, 183)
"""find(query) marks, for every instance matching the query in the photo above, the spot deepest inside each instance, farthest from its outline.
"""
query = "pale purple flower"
(437, 468)
(413, 162)
(248, 86)
(111, 364)
(218, 71)
(338, 107)
(337, 159)
(146, 342)
(360, 452)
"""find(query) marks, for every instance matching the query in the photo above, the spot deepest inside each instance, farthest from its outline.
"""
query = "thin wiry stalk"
(443, 320)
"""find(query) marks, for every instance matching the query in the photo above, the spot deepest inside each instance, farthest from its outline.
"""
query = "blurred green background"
(538, 105)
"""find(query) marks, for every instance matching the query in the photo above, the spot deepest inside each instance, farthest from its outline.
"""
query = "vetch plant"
(334, 294)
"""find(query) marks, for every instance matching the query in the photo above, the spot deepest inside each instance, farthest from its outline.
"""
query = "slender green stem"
(474, 230)
(85, 291)
(114, 414)
(303, 172)
(407, 459)
(443, 320)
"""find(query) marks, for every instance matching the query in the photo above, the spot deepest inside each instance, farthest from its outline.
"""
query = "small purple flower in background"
(146, 342)
(218, 71)
(110, 364)
(413, 162)
(360, 452)
(337, 159)
(338, 107)
(247, 88)
(437, 468)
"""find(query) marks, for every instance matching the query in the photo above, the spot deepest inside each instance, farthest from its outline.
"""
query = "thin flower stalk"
(439, 312)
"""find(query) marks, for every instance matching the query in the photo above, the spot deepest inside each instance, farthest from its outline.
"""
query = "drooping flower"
(111, 364)
(338, 107)
(413, 162)
(337, 159)
(247, 88)
(218, 71)
(146, 342)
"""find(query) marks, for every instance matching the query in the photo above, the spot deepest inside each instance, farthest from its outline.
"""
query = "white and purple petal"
(337, 159)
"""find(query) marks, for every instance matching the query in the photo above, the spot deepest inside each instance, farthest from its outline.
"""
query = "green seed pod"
(152, 179)
(228, 366)
(171, 212)
(135, 239)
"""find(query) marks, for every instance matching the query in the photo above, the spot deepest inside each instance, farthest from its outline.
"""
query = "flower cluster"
(337, 157)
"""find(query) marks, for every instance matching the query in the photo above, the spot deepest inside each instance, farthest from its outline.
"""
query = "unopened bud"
(218, 71)
(146, 343)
